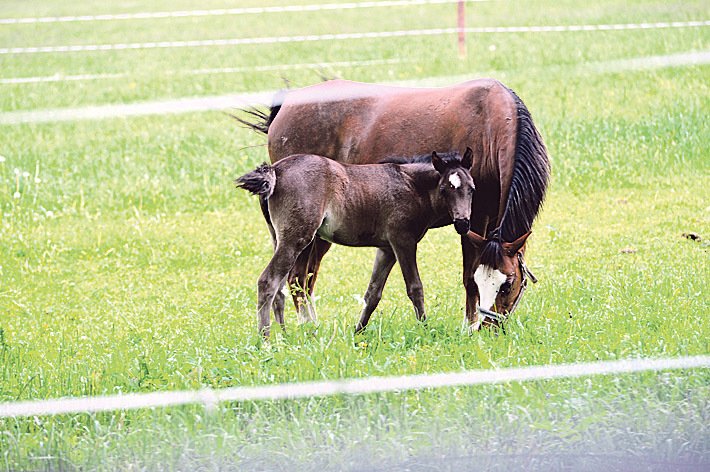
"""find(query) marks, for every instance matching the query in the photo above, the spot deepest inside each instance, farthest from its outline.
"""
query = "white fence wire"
(229, 11)
(210, 398)
(205, 71)
(348, 36)
(264, 98)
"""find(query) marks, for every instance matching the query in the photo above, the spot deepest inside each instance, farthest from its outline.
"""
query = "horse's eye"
(505, 288)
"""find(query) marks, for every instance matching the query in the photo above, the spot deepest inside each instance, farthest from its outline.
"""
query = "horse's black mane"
(531, 173)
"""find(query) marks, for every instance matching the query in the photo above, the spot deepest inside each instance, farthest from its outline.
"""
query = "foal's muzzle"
(462, 225)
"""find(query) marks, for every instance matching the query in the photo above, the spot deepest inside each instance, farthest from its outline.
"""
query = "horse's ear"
(476, 239)
(438, 163)
(467, 161)
(512, 248)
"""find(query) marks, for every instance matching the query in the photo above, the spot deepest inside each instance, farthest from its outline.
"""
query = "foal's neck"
(426, 180)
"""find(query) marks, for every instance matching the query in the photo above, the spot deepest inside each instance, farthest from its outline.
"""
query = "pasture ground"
(128, 261)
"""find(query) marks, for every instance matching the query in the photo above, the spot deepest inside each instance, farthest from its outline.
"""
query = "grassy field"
(128, 262)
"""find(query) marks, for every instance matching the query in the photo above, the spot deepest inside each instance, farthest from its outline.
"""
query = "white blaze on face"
(455, 180)
(488, 281)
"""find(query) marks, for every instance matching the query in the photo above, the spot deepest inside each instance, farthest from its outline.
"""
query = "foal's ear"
(438, 163)
(476, 239)
(467, 161)
(512, 248)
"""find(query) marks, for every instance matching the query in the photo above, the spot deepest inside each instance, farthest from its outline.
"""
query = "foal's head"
(456, 186)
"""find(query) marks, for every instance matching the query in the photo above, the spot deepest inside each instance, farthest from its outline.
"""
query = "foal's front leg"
(384, 261)
(406, 253)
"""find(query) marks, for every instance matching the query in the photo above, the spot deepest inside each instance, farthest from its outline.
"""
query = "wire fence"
(231, 11)
(350, 36)
(210, 398)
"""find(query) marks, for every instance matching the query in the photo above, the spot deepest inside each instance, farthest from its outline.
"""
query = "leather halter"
(525, 274)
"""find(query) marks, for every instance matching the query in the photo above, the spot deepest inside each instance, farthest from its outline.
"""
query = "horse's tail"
(261, 119)
(531, 175)
(261, 181)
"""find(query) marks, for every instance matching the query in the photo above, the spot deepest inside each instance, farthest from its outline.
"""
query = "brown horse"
(365, 123)
(387, 206)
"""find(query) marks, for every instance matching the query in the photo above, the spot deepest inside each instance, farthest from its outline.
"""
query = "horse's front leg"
(406, 253)
(384, 261)
(471, 255)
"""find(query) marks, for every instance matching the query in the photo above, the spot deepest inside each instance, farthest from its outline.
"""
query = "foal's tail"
(261, 181)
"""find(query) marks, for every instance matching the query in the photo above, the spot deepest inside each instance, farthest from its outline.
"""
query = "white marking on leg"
(312, 315)
(488, 281)
(455, 180)
(303, 315)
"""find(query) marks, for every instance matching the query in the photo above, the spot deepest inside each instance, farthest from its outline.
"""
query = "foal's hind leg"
(384, 261)
(272, 278)
(279, 299)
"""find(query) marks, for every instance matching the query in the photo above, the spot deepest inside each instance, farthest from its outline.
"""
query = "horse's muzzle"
(490, 316)
(462, 225)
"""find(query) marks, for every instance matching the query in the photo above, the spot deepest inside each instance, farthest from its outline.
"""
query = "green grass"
(128, 262)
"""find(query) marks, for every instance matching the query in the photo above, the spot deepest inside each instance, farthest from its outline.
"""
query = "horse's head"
(456, 186)
(500, 276)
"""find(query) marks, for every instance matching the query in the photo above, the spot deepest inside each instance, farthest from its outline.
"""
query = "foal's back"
(353, 205)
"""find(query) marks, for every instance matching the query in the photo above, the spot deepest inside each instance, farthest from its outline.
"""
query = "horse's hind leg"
(296, 283)
(318, 250)
(384, 261)
(302, 278)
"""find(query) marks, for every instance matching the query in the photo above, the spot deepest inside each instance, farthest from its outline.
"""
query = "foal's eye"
(505, 288)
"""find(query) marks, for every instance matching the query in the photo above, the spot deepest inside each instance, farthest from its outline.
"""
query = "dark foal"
(387, 206)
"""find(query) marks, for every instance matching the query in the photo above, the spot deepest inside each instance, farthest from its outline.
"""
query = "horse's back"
(358, 123)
